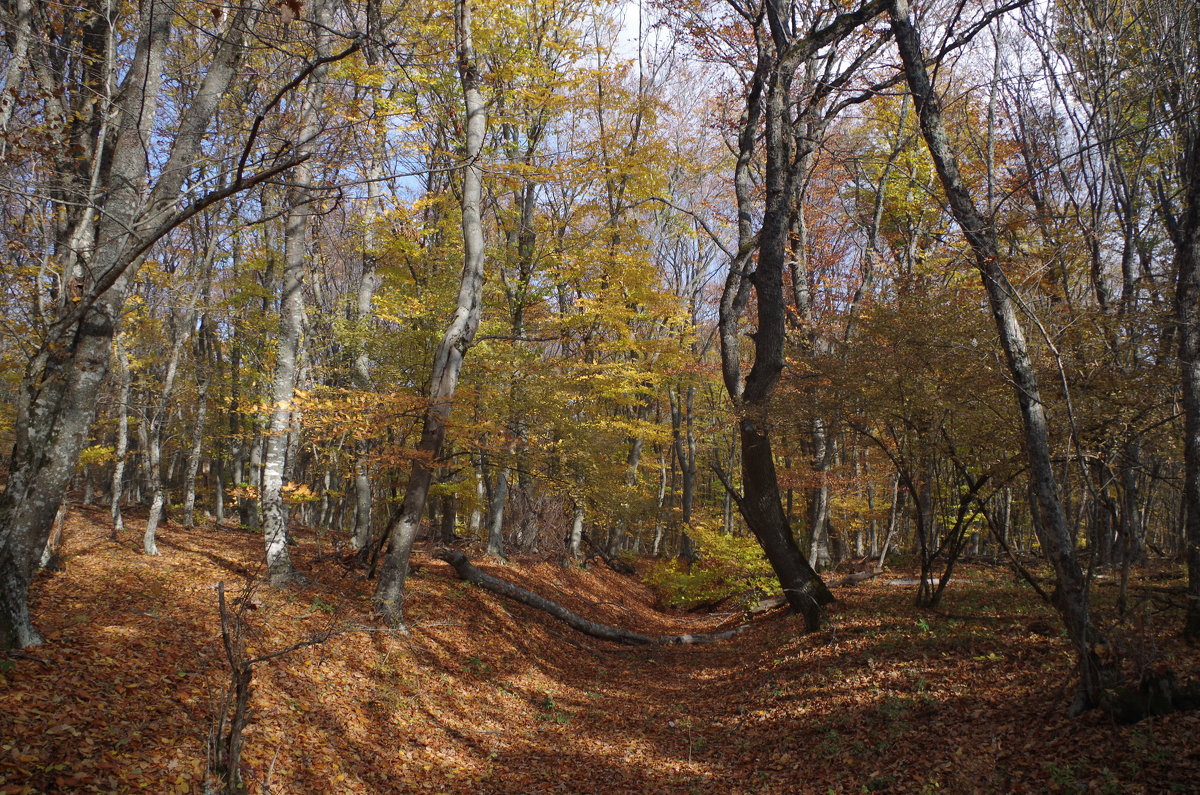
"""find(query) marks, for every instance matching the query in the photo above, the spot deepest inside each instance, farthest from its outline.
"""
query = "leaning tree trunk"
(61, 384)
(769, 101)
(447, 363)
(1050, 521)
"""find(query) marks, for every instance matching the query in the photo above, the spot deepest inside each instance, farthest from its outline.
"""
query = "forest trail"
(494, 697)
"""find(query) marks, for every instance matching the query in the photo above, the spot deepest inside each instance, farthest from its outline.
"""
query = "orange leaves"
(490, 697)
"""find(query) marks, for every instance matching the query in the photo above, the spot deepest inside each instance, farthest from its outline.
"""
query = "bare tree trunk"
(362, 362)
(575, 543)
(291, 318)
(447, 364)
(194, 451)
(467, 571)
(1055, 536)
(1186, 236)
(154, 435)
(20, 29)
(475, 521)
(495, 545)
(122, 443)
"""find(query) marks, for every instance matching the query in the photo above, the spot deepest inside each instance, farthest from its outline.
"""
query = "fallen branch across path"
(468, 572)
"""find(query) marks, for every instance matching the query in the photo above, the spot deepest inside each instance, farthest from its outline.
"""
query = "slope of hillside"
(494, 697)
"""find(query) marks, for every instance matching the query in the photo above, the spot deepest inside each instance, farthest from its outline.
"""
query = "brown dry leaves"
(491, 697)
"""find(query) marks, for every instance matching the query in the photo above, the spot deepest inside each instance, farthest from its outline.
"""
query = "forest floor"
(488, 696)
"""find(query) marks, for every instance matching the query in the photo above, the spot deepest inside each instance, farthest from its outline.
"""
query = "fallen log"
(620, 567)
(855, 577)
(465, 570)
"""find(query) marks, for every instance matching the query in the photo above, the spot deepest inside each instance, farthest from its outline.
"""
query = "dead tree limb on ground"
(468, 572)
(225, 737)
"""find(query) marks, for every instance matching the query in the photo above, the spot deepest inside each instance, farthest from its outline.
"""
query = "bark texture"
(769, 101)
(1050, 521)
(448, 359)
(61, 383)
(291, 318)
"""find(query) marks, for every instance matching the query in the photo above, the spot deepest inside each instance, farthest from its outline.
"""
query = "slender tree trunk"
(1186, 236)
(495, 545)
(117, 491)
(1055, 536)
(575, 543)
(194, 452)
(291, 320)
(475, 521)
(154, 435)
(402, 529)
(362, 361)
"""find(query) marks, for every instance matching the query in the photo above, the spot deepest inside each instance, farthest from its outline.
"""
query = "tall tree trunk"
(361, 538)
(154, 423)
(1050, 522)
(780, 52)
(61, 383)
(291, 318)
(447, 363)
(1186, 237)
(117, 491)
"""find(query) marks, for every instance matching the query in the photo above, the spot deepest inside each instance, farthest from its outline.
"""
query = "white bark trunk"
(447, 363)
(1050, 521)
(291, 320)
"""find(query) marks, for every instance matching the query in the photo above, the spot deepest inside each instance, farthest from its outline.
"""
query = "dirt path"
(491, 697)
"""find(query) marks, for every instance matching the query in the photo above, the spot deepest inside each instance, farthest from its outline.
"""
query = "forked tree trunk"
(447, 363)
(769, 102)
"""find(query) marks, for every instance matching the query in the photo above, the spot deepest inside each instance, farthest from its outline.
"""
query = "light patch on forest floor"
(486, 696)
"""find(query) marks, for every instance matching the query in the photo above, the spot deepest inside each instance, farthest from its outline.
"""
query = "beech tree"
(110, 209)
(447, 363)
(1050, 523)
(760, 262)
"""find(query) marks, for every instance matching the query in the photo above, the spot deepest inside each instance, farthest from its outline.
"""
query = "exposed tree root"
(468, 572)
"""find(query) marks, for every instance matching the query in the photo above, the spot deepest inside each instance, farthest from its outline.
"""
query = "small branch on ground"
(225, 737)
